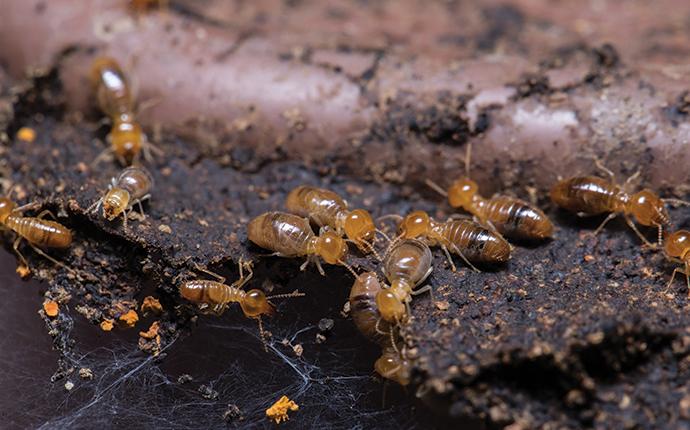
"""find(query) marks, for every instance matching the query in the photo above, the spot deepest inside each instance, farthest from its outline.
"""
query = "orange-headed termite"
(216, 296)
(511, 217)
(327, 209)
(114, 94)
(406, 264)
(591, 195)
(131, 187)
(37, 231)
(290, 235)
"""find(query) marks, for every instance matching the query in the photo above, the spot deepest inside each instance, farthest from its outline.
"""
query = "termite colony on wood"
(320, 225)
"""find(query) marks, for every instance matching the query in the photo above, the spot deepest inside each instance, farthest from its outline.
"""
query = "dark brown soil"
(577, 331)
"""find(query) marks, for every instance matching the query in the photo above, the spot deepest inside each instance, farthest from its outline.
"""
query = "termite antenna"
(295, 293)
(377, 327)
(436, 187)
(468, 156)
(8, 185)
(395, 347)
(389, 216)
(368, 246)
(676, 202)
(262, 333)
(383, 234)
(349, 268)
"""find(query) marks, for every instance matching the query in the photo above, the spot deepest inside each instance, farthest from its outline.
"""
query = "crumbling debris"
(26, 134)
(207, 392)
(232, 414)
(278, 412)
(184, 378)
(151, 304)
(23, 271)
(129, 319)
(86, 373)
(51, 308)
(150, 340)
(69, 385)
(326, 325)
(107, 324)
(442, 305)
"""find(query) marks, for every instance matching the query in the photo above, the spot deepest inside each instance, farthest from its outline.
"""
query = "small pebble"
(208, 392)
(232, 413)
(85, 373)
(326, 325)
(184, 378)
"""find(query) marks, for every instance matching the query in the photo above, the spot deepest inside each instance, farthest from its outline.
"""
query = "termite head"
(648, 209)
(414, 225)
(461, 193)
(6, 208)
(391, 307)
(331, 247)
(359, 227)
(394, 367)
(677, 244)
(115, 202)
(255, 304)
(126, 137)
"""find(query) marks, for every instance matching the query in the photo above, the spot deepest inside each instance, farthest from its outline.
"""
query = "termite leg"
(611, 216)
(106, 153)
(46, 212)
(673, 276)
(423, 290)
(634, 228)
(15, 246)
(220, 279)
(319, 267)
(242, 281)
(450, 260)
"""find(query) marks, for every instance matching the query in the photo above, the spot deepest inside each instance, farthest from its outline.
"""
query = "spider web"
(203, 376)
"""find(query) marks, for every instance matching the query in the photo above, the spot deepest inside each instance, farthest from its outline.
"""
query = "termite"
(364, 310)
(327, 209)
(215, 296)
(392, 365)
(677, 248)
(469, 239)
(37, 231)
(290, 235)
(113, 91)
(511, 217)
(591, 195)
(131, 187)
(406, 265)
